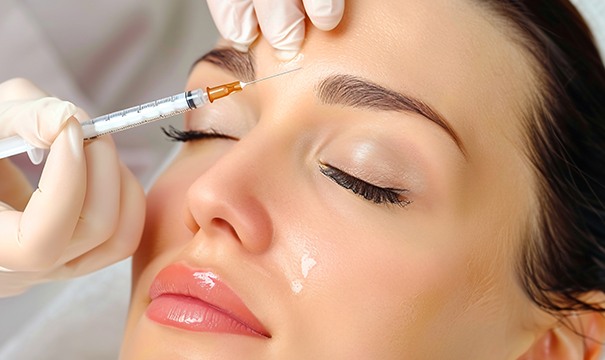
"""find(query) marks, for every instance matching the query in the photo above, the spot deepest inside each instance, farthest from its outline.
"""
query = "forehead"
(449, 53)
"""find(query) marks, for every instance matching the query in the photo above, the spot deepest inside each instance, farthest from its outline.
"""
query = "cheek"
(165, 208)
(164, 224)
(383, 287)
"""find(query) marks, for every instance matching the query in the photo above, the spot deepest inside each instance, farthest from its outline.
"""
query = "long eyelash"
(175, 134)
(376, 194)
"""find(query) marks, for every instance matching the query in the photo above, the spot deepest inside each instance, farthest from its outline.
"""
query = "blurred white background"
(105, 56)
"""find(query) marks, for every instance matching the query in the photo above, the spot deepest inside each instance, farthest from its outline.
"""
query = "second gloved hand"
(88, 210)
(282, 22)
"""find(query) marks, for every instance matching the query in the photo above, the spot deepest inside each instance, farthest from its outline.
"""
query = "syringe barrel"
(144, 113)
(121, 120)
(12, 146)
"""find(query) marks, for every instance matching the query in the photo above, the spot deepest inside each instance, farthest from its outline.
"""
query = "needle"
(244, 84)
(223, 90)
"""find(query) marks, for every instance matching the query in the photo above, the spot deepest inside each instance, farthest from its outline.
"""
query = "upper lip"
(179, 279)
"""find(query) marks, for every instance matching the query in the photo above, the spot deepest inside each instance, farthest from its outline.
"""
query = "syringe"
(141, 114)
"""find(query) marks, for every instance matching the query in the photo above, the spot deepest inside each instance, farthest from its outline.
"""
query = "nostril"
(224, 226)
(229, 210)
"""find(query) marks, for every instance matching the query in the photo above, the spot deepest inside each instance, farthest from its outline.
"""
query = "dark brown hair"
(563, 259)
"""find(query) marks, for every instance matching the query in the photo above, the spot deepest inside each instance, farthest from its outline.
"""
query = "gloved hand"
(88, 210)
(282, 22)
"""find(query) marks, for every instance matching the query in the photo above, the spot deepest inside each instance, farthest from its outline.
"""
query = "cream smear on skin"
(306, 264)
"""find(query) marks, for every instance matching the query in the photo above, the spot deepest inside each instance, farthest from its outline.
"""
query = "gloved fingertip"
(36, 155)
(326, 24)
(325, 14)
(286, 55)
(63, 110)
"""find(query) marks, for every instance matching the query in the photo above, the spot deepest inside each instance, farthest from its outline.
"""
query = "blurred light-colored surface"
(105, 56)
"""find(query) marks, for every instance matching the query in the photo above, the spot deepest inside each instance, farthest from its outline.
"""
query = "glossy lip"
(178, 289)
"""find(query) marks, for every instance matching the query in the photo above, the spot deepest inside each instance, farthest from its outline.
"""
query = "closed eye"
(175, 134)
(370, 192)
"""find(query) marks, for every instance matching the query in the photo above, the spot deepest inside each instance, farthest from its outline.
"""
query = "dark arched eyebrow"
(349, 90)
(239, 63)
(340, 89)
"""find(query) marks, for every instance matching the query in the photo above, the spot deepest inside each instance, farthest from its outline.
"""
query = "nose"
(227, 200)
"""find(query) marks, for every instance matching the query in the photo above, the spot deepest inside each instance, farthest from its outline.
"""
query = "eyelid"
(175, 134)
(234, 116)
(369, 191)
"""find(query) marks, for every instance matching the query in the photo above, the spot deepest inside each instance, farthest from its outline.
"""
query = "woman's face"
(371, 205)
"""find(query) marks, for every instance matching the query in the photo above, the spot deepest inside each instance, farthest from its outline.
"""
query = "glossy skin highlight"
(434, 279)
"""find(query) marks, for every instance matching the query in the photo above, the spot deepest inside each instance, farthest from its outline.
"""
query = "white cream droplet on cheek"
(306, 264)
(296, 286)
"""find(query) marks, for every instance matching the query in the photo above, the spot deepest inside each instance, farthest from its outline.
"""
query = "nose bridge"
(229, 200)
(249, 162)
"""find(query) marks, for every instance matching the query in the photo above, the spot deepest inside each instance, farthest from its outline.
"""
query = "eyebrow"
(239, 63)
(349, 90)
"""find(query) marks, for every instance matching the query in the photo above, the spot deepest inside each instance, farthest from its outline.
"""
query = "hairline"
(534, 113)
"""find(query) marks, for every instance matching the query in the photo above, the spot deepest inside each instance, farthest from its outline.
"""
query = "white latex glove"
(88, 210)
(282, 22)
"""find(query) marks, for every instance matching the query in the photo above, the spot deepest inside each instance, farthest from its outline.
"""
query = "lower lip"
(193, 314)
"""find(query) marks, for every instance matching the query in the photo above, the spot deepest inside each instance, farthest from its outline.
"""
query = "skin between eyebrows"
(353, 91)
(238, 63)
